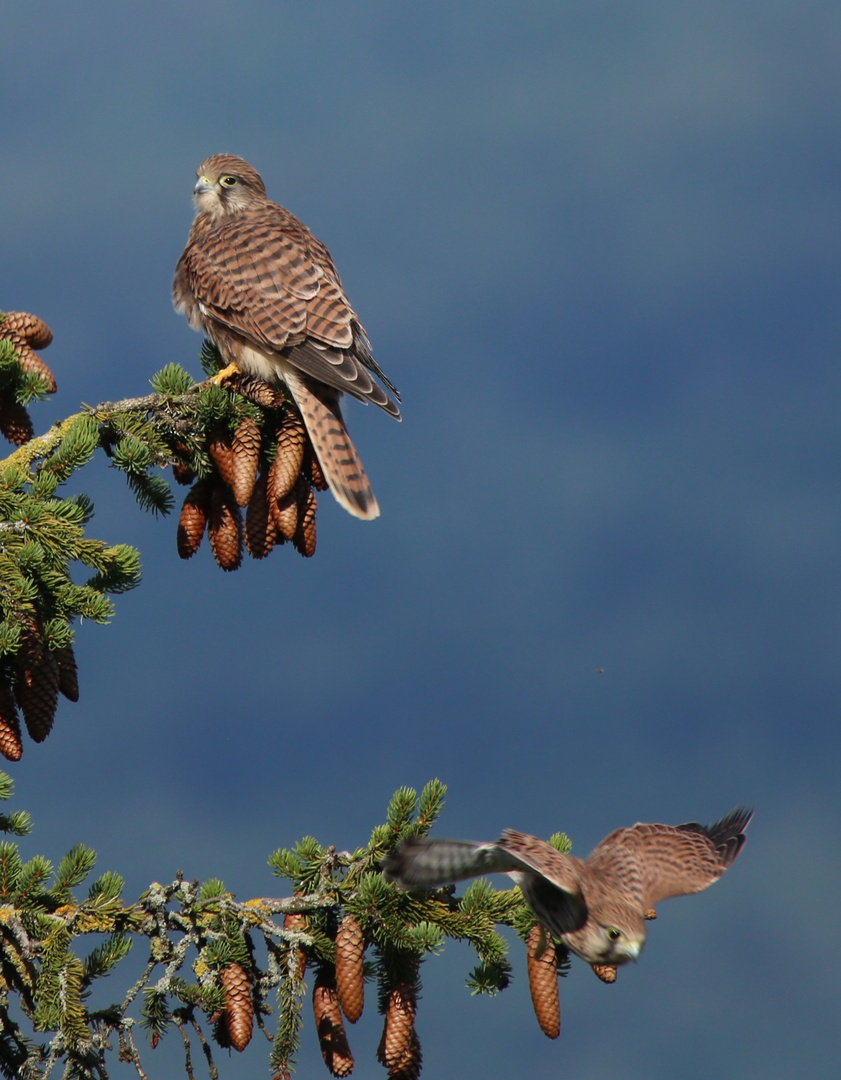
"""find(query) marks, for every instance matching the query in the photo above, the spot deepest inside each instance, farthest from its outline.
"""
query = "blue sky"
(596, 246)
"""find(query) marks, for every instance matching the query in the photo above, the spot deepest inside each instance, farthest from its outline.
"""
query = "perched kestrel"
(597, 906)
(256, 281)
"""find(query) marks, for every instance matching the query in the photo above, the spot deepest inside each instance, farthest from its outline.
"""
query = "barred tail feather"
(343, 471)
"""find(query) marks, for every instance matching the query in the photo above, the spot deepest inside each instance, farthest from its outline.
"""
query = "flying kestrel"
(597, 906)
(256, 281)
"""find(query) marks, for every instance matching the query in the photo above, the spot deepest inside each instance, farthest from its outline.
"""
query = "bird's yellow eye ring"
(227, 181)
(614, 934)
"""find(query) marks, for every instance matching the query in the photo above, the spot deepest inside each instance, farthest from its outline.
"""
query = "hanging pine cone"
(220, 448)
(29, 328)
(304, 538)
(260, 529)
(291, 438)
(225, 529)
(350, 951)
(10, 745)
(194, 515)
(256, 390)
(297, 921)
(331, 1030)
(399, 1048)
(68, 679)
(408, 1067)
(36, 693)
(27, 332)
(245, 450)
(284, 514)
(543, 981)
(606, 972)
(182, 474)
(239, 1012)
(15, 422)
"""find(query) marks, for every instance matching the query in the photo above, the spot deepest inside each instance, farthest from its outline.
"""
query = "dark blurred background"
(596, 246)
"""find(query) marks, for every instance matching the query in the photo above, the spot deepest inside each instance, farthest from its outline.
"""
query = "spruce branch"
(227, 441)
(215, 965)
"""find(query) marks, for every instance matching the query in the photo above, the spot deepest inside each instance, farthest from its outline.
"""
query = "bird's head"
(227, 185)
(613, 935)
(620, 944)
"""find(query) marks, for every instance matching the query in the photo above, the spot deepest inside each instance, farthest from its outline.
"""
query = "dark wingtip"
(728, 834)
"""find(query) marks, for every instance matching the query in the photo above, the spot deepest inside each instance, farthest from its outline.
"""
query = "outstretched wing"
(426, 863)
(674, 860)
(550, 881)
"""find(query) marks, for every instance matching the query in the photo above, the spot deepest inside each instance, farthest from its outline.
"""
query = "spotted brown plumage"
(256, 281)
(596, 906)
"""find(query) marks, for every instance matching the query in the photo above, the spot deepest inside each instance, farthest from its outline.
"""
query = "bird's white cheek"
(207, 202)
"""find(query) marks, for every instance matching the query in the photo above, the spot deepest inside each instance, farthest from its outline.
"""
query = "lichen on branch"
(217, 968)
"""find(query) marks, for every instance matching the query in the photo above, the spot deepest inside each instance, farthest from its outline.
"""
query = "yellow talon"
(225, 373)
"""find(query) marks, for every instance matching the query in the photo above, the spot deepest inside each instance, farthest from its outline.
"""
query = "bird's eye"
(614, 934)
(227, 181)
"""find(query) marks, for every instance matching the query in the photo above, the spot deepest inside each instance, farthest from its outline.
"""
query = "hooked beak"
(202, 185)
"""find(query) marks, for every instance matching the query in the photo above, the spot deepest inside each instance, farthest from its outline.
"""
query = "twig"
(188, 1057)
(211, 1065)
(133, 1055)
(138, 986)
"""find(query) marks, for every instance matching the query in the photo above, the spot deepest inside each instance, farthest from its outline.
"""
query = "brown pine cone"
(68, 678)
(304, 538)
(27, 332)
(312, 469)
(36, 693)
(409, 1065)
(543, 981)
(15, 422)
(606, 972)
(32, 363)
(395, 1049)
(245, 447)
(331, 1030)
(225, 529)
(194, 515)
(291, 439)
(182, 474)
(253, 388)
(297, 921)
(239, 1012)
(28, 328)
(260, 529)
(284, 514)
(350, 950)
(10, 745)
(220, 448)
